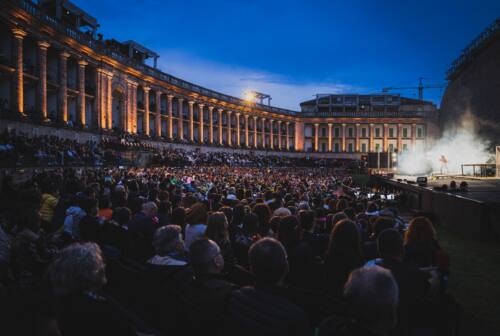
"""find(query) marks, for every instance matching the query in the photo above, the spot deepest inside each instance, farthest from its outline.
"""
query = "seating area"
(217, 247)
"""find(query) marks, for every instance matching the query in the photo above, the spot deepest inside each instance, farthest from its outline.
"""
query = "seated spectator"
(342, 256)
(422, 248)
(380, 224)
(141, 230)
(372, 296)
(207, 296)
(196, 219)
(264, 308)
(217, 230)
(76, 277)
(169, 247)
(114, 233)
(246, 237)
(105, 211)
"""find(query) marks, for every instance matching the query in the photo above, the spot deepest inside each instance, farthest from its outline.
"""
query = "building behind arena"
(56, 70)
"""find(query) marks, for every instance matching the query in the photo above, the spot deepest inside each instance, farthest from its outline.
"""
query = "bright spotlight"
(254, 96)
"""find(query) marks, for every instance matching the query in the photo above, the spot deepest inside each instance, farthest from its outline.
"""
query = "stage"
(475, 212)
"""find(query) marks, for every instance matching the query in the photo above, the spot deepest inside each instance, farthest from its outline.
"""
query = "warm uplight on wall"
(250, 96)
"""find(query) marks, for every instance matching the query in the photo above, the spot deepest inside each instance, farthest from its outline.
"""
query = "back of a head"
(306, 218)
(78, 268)
(150, 209)
(382, 223)
(197, 214)
(204, 256)
(268, 261)
(345, 236)
(390, 244)
(420, 229)
(217, 227)
(167, 239)
(373, 295)
(250, 223)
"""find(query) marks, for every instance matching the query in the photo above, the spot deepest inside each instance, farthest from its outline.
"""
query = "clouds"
(235, 80)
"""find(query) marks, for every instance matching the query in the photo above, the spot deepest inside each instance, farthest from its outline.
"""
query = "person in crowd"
(421, 246)
(105, 211)
(264, 308)
(372, 298)
(50, 198)
(169, 247)
(207, 295)
(217, 230)
(76, 278)
(90, 225)
(379, 224)
(141, 229)
(196, 219)
(342, 256)
(114, 237)
(263, 212)
(246, 237)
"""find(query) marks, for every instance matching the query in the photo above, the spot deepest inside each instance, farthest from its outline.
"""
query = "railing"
(473, 47)
(99, 46)
(398, 114)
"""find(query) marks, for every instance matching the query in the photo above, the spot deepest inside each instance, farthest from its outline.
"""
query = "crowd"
(216, 251)
(20, 150)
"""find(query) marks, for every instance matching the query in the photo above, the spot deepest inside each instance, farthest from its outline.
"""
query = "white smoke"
(459, 145)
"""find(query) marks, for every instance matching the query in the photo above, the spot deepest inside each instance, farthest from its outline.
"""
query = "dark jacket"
(264, 311)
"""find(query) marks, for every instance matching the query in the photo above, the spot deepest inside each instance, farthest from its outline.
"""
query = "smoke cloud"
(459, 144)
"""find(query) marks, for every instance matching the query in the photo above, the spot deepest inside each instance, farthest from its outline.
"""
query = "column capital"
(357, 124)
(279, 122)
(146, 89)
(287, 123)
(170, 96)
(246, 116)
(82, 62)
(316, 125)
(19, 33)
(191, 102)
(238, 114)
(43, 45)
(255, 117)
(330, 125)
(201, 105)
(220, 110)
(158, 93)
(180, 99)
(210, 107)
(64, 54)
(344, 125)
(371, 124)
(129, 82)
(229, 112)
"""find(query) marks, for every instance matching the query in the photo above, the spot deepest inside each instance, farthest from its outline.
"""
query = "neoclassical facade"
(53, 70)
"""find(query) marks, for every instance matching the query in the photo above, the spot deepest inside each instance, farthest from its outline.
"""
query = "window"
(377, 132)
(363, 148)
(323, 147)
(391, 148)
(405, 132)
(391, 132)
(336, 148)
(350, 148)
(377, 148)
(405, 147)
(337, 132)
(419, 132)
(323, 131)
(363, 132)
(350, 132)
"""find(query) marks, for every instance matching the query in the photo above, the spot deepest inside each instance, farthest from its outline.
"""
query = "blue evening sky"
(294, 49)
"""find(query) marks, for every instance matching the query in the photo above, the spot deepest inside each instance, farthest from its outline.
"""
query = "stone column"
(63, 87)
(255, 131)
(200, 123)
(132, 106)
(158, 114)
(357, 138)
(271, 134)
(170, 127)
(330, 137)
(98, 100)
(316, 139)
(247, 144)
(400, 136)
(371, 146)
(109, 101)
(42, 82)
(145, 119)
(385, 145)
(228, 131)
(287, 132)
(279, 134)
(180, 120)
(263, 132)
(19, 36)
(238, 129)
(191, 120)
(81, 94)
(210, 124)
(299, 135)
(220, 125)
(343, 138)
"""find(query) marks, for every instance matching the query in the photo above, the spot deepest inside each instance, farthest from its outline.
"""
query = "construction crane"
(420, 88)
